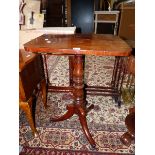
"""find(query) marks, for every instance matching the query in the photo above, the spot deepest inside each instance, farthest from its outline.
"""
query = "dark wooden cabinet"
(54, 11)
(61, 13)
(31, 73)
(127, 22)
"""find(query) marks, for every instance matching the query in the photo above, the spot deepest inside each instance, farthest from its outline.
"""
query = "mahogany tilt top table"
(79, 45)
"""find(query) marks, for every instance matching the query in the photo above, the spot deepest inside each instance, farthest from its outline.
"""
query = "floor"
(106, 121)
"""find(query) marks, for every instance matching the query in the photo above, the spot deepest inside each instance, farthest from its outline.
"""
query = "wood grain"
(91, 44)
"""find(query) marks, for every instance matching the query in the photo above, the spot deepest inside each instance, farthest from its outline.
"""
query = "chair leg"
(44, 92)
(27, 108)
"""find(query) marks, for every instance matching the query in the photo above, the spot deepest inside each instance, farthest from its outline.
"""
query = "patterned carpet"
(105, 121)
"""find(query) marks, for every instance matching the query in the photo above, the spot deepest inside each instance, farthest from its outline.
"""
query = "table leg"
(44, 92)
(45, 67)
(117, 78)
(79, 105)
(70, 112)
(115, 70)
(27, 108)
(79, 97)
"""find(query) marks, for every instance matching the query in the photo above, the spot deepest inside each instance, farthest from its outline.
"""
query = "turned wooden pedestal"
(80, 45)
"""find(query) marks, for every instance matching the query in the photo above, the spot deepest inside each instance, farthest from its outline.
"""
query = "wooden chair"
(129, 136)
(31, 74)
(106, 17)
(128, 89)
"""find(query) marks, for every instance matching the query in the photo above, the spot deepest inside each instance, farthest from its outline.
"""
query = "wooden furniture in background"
(129, 136)
(127, 22)
(80, 45)
(54, 11)
(128, 89)
(31, 74)
(68, 12)
(106, 17)
(127, 33)
(127, 97)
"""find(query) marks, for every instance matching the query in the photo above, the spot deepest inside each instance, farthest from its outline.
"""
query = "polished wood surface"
(79, 45)
(30, 75)
(25, 58)
(127, 21)
(26, 106)
(91, 44)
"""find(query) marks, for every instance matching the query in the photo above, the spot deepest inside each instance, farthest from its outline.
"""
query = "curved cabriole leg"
(83, 121)
(67, 115)
(27, 108)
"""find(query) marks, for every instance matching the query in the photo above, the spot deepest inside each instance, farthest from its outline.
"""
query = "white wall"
(31, 5)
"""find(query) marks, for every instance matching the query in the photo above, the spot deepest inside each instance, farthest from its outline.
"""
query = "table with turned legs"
(79, 45)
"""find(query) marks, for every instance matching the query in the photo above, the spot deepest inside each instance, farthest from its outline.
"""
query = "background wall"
(82, 15)
(31, 5)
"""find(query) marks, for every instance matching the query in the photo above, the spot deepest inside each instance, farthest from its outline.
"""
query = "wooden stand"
(79, 105)
(80, 45)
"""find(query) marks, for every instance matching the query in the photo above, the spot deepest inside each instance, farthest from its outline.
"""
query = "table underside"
(79, 89)
(113, 90)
